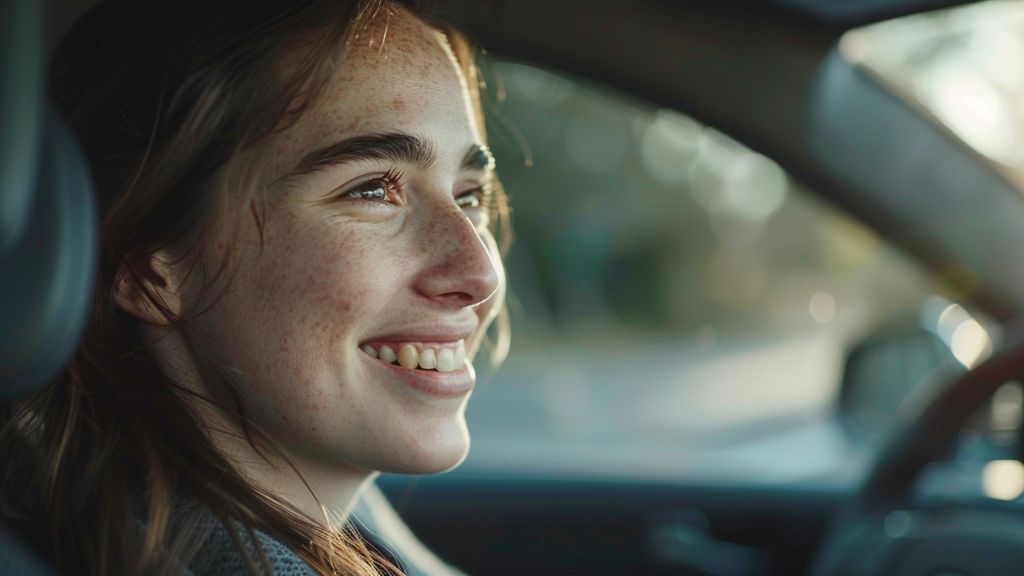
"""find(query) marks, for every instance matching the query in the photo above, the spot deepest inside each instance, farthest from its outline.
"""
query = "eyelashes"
(389, 188)
(380, 189)
(483, 196)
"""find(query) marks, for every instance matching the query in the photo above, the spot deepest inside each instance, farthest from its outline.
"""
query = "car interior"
(764, 289)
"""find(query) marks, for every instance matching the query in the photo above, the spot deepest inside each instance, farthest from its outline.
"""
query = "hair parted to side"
(162, 95)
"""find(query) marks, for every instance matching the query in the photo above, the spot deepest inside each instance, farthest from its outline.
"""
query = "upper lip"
(428, 332)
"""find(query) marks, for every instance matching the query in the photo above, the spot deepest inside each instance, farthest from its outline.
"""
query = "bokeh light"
(1003, 479)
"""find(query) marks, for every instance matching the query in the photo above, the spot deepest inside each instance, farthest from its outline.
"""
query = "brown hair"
(161, 95)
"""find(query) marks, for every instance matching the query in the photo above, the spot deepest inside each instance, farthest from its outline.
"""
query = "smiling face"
(374, 240)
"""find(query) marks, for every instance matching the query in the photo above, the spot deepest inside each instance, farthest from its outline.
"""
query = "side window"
(669, 286)
(964, 65)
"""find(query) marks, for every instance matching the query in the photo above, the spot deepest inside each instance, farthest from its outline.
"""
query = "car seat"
(48, 231)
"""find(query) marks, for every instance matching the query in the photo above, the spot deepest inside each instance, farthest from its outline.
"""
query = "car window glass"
(963, 65)
(672, 289)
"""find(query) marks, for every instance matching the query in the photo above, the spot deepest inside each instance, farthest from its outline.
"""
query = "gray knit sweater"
(372, 515)
(219, 555)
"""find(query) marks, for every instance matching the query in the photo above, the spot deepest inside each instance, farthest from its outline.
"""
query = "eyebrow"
(395, 146)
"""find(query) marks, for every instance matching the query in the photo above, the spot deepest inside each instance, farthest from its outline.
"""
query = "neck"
(323, 491)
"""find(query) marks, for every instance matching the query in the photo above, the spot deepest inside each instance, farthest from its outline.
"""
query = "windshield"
(681, 293)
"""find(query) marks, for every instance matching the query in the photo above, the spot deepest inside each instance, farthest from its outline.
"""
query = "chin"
(439, 451)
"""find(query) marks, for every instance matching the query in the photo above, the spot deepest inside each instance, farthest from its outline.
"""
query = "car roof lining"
(848, 14)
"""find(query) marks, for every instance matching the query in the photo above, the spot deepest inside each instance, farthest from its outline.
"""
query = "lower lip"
(454, 384)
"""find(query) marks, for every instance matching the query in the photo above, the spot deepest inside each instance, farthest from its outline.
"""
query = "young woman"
(299, 264)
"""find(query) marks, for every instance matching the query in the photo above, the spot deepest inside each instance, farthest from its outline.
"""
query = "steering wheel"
(880, 532)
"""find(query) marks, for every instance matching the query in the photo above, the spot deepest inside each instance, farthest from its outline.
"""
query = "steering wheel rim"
(903, 457)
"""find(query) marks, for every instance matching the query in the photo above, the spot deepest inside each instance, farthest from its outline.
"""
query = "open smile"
(437, 356)
(438, 369)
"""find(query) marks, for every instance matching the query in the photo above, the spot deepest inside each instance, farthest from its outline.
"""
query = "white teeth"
(445, 360)
(460, 353)
(428, 359)
(408, 357)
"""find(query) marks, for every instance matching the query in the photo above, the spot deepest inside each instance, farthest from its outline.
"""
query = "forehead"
(396, 74)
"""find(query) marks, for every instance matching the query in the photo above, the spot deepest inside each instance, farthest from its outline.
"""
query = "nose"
(463, 270)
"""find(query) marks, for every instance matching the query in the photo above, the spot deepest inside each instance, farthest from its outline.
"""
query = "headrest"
(48, 227)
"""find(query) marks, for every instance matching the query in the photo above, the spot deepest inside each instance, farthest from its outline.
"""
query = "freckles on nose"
(462, 269)
(445, 234)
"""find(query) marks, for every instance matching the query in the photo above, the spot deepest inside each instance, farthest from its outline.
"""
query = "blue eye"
(372, 190)
(484, 198)
(479, 204)
(471, 198)
(383, 189)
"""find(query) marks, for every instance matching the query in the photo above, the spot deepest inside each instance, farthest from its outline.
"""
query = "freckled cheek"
(331, 296)
(333, 281)
(312, 291)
